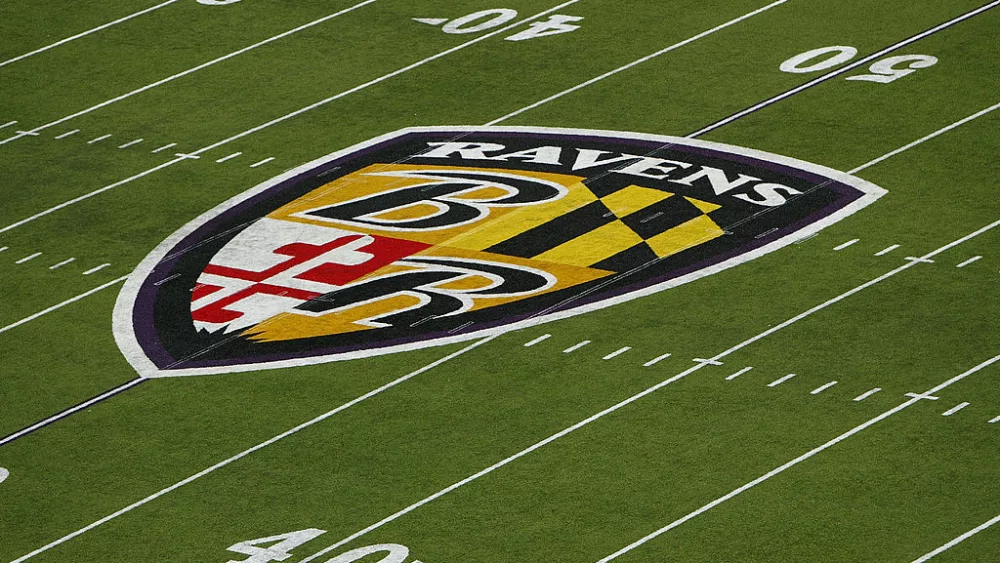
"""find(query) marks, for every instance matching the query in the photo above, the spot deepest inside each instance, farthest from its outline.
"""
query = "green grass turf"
(890, 494)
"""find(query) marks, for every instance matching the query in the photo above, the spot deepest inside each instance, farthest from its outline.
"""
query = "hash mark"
(915, 259)
(617, 352)
(846, 244)
(780, 380)
(96, 269)
(765, 233)
(655, 360)
(576, 347)
(805, 238)
(458, 328)
(165, 280)
(954, 409)
(4, 248)
(537, 340)
(164, 147)
(822, 388)
(708, 362)
(651, 217)
(995, 420)
(61, 264)
(887, 250)
(98, 139)
(67, 134)
(263, 162)
(969, 261)
(739, 373)
(29, 257)
(130, 143)
(8, 124)
(866, 394)
(230, 157)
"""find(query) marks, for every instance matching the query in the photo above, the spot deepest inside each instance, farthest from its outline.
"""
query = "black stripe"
(560, 230)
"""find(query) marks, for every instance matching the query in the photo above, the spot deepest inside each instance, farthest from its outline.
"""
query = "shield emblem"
(429, 236)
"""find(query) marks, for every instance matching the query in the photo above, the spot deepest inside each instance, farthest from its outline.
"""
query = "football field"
(805, 369)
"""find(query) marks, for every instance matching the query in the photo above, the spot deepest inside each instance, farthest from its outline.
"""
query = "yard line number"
(882, 71)
(279, 548)
(488, 19)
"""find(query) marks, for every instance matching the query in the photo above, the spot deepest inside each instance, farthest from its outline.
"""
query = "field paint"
(4, 473)
(958, 540)
(85, 33)
(822, 388)
(260, 446)
(937, 133)
(954, 409)
(781, 380)
(576, 347)
(798, 460)
(656, 360)
(97, 140)
(2, 248)
(96, 269)
(163, 148)
(537, 340)
(919, 260)
(61, 264)
(636, 62)
(617, 352)
(807, 237)
(846, 244)
(430, 21)
(8, 124)
(130, 143)
(969, 261)
(263, 162)
(866, 394)
(28, 258)
(994, 420)
(230, 157)
(926, 396)
(67, 412)
(886, 250)
(194, 69)
(67, 134)
(63, 304)
(708, 362)
(843, 70)
(739, 373)
(285, 117)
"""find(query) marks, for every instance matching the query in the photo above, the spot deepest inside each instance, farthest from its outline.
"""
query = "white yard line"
(794, 462)
(886, 250)
(617, 352)
(846, 244)
(822, 388)
(229, 157)
(28, 258)
(781, 380)
(576, 347)
(249, 451)
(67, 134)
(287, 116)
(262, 162)
(130, 143)
(163, 148)
(61, 264)
(955, 409)
(969, 261)
(63, 304)
(98, 139)
(958, 540)
(8, 124)
(85, 33)
(739, 373)
(994, 420)
(866, 394)
(96, 269)
(655, 360)
(194, 69)
(541, 338)
(637, 62)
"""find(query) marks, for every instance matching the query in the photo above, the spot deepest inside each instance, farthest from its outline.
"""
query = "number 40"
(883, 71)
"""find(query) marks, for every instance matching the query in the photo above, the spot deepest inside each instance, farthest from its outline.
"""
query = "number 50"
(883, 71)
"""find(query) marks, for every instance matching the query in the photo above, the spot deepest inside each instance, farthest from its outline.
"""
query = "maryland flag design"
(430, 236)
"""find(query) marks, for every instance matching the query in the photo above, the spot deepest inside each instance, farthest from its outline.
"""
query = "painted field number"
(882, 71)
(279, 548)
(485, 20)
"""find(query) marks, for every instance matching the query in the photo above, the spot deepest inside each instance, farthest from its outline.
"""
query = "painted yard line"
(2, 248)
(887, 250)
(96, 269)
(63, 304)
(28, 258)
(822, 388)
(655, 360)
(163, 148)
(67, 134)
(937, 133)
(617, 352)
(286, 117)
(781, 380)
(640, 395)
(969, 261)
(8, 124)
(196, 68)
(253, 449)
(85, 33)
(636, 62)
(843, 70)
(576, 347)
(537, 340)
(739, 373)
(954, 409)
(230, 157)
(958, 540)
(796, 461)
(995, 420)
(846, 244)
(98, 139)
(130, 143)
(72, 410)
(61, 264)
(866, 394)
(263, 162)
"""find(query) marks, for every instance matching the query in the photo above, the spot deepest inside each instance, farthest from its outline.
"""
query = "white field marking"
(263, 162)
(919, 260)
(794, 462)
(739, 373)
(846, 244)
(259, 446)
(886, 250)
(130, 143)
(537, 340)
(924, 396)
(96, 269)
(843, 70)
(955, 409)
(63, 304)
(636, 62)
(286, 117)
(937, 133)
(166, 279)
(196, 68)
(187, 156)
(617, 352)
(708, 361)
(460, 327)
(866, 394)
(781, 380)
(958, 540)
(576, 347)
(822, 388)
(2, 248)
(67, 134)
(85, 33)
(807, 237)
(28, 257)
(969, 261)
(655, 360)
(8, 124)
(4, 473)
(163, 148)
(230, 157)
(431, 21)
(98, 139)
(75, 409)
(61, 264)
(994, 420)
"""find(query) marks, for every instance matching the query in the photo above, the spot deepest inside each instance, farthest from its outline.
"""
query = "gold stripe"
(633, 198)
(599, 244)
(684, 236)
